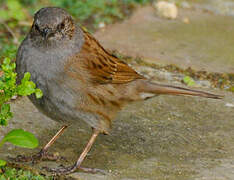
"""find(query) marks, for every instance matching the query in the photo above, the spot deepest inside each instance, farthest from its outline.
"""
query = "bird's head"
(52, 24)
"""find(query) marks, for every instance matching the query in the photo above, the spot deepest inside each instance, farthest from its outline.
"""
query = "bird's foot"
(70, 169)
(40, 156)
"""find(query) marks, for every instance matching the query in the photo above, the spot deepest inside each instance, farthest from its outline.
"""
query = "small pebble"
(166, 9)
(101, 25)
(14, 97)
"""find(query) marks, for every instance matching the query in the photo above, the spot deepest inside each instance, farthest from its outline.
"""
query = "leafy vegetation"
(98, 11)
(21, 138)
(13, 11)
(92, 10)
(8, 173)
(8, 89)
(16, 16)
(189, 81)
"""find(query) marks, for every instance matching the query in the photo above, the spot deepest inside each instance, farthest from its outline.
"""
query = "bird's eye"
(61, 26)
(37, 27)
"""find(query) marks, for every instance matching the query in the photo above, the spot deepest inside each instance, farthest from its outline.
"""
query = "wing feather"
(103, 67)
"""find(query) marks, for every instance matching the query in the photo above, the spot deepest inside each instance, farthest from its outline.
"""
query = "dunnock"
(80, 79)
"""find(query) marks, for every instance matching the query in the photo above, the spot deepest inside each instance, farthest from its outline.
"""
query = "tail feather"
(155, 88)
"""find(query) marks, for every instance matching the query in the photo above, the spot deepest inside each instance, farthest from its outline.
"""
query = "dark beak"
(46, 32)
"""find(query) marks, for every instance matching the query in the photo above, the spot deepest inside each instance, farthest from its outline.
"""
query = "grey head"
(51, 26)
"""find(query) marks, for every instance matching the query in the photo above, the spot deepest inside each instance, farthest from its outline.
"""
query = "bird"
(80, 80)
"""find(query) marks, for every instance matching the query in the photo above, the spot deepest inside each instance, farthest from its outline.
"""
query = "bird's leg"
(42, 154)
(77, 165)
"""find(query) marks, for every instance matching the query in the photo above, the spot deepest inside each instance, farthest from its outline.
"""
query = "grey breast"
(47, 71)
(59, 100)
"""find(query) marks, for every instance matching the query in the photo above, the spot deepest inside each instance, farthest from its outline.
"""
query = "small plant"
(189, 81)
(95, 11)
(8, 89)
(19, 174)
(13, 11)
(98, 11)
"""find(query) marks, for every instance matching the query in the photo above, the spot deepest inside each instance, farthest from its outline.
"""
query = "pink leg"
(42, 154)
(77, 165)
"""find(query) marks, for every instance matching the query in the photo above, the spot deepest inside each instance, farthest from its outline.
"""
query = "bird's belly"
(58, 102)
(47, 72)
(62, 96)
(61, 102)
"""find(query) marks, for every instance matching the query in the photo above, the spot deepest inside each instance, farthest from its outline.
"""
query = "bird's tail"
(154, 88)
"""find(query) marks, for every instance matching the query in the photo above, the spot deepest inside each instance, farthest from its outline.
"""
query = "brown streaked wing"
(103, 67)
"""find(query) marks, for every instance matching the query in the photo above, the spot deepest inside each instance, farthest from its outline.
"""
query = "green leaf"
(2, 162)
(13, 5)
(6, 61)
(38, 93)
(3, 14)
(27, 77)
(13, 66)
(3, 121)
(189, 81)
(27, 88)
(21, 138)
(5, 114)
(5, 109)
(15, 10)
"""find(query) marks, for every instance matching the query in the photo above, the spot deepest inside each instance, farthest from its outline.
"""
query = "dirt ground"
(204, 43)
(166, 137)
